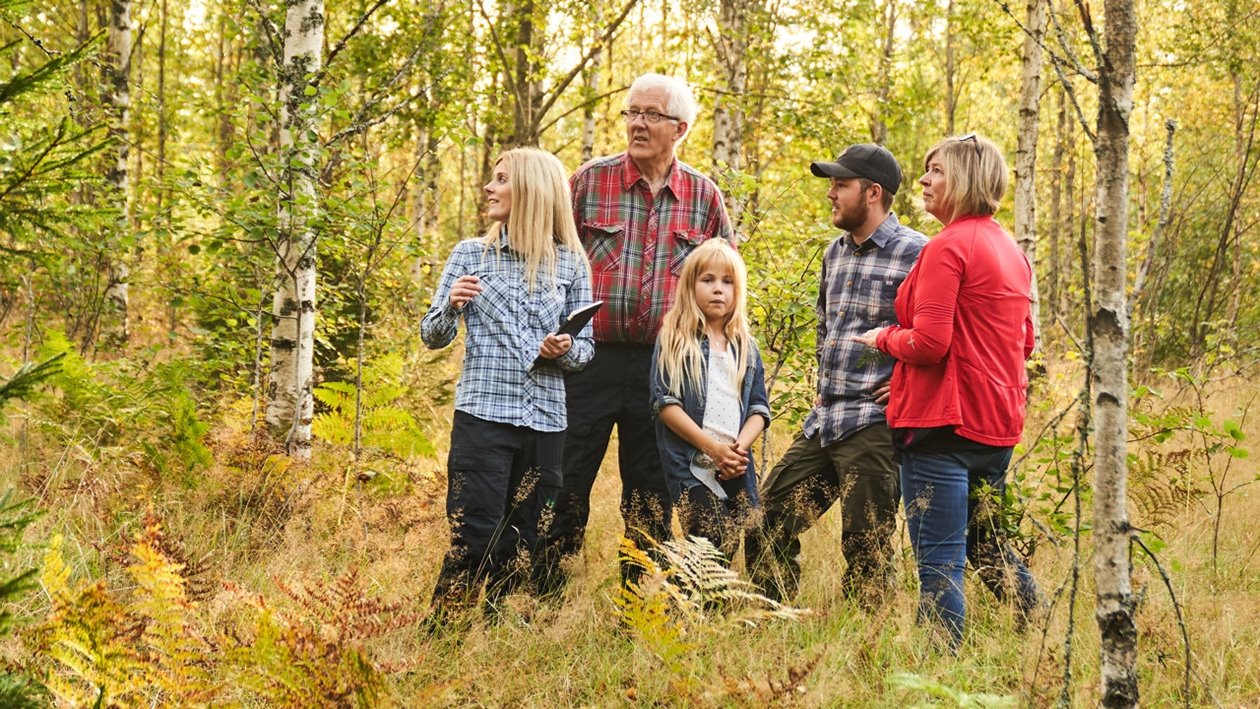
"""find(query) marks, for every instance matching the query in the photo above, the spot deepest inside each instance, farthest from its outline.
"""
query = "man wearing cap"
(845, 452)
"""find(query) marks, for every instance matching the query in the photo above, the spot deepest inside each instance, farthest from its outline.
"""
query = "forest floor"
(348, 549)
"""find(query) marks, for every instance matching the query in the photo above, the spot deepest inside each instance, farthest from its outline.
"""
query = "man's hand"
(464, 289)
(554, 346)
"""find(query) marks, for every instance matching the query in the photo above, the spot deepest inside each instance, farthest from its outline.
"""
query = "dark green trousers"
(859, 473)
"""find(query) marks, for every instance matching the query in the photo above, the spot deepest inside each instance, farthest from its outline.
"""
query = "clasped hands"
(729, 460)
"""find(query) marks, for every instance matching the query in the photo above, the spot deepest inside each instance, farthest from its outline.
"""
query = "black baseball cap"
(867, 160)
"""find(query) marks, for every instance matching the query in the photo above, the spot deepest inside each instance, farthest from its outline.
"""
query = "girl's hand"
(464, 289)
(730, 460)
(868, 338)
(554, 346)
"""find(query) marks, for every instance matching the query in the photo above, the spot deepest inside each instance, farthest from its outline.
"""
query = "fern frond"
(30, 375)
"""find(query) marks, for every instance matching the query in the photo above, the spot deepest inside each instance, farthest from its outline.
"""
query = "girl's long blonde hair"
(681, 359)
(542, 212)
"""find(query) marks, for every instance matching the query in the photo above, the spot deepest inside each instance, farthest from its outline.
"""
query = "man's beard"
(851, 219)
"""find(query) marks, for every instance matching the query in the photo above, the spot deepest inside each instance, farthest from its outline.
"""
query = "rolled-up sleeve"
(660, 396)
(441, 323)
(758, 400)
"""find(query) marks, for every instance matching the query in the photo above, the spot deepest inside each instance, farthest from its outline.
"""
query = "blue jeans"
(952, 519)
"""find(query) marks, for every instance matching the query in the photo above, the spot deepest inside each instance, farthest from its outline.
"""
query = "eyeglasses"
(975, 143)
(650, 117)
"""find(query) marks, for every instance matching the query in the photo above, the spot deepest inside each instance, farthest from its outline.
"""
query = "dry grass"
(250, 526)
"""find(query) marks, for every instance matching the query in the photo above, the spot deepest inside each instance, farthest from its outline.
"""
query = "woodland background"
(171, 537)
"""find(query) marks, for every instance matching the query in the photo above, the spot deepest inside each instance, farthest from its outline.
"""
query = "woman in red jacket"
(959, 384)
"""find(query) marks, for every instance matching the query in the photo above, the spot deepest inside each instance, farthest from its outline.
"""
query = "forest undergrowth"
(173, 558)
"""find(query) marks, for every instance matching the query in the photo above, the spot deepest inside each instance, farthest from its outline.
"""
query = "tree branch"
(341, 44)
(604, 38)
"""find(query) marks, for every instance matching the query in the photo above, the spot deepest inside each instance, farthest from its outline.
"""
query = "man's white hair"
(680, 102)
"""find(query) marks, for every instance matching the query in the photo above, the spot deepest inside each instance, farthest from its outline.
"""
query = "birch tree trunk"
(119, 73)
(728, 112)
(591, 91)
(1057, 231)
(290, 405)
(1110, 326)
(1026, 150)
(951, 70)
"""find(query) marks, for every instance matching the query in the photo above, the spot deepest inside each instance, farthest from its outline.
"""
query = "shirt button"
(839, 313)
(848, 283)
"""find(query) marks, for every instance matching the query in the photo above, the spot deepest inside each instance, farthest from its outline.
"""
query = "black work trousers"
(611, 391)
(502, 479)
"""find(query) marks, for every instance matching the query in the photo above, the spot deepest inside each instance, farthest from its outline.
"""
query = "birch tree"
(1109, 323)
(119, 74)
(1026, 150)
(731, 45)
(290, 403)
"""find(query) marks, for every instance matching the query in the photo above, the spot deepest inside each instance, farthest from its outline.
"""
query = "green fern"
(132, 648)
(385, 426)
(16, 691)
(689, 593)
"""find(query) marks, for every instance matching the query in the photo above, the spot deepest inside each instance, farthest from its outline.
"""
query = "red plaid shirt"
(619, 222)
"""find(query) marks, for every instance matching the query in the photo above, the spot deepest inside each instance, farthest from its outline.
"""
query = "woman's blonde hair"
(542, 212)
(976, 176)
(681, 359)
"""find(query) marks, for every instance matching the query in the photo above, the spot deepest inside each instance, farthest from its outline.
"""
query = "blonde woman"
(959, 387)
(511, 288)
(709, 396)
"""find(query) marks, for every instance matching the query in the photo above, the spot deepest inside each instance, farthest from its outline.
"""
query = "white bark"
(1026, 150)
(728, 111)
(120, 97)
(588, 113)
(290, 405)
(1109, 324)
(592, 90)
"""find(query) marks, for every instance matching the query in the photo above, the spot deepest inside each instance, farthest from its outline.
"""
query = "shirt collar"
(503, 240)
(879, 238)
(631, 175)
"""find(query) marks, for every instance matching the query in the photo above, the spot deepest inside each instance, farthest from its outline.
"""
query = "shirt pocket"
(546, 305)
(876, 298)
(494, 304)
(604, 244)
(685, 241)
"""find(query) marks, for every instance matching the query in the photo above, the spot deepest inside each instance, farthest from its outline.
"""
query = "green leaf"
(1235, 432)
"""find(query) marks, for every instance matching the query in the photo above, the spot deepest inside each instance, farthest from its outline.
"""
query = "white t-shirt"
(721, 415)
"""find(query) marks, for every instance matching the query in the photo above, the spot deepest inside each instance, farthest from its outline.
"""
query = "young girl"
(709, 394)
(511, 288)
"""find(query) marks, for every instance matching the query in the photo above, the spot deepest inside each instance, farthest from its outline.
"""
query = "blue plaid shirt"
(856, 293)
(506, 324)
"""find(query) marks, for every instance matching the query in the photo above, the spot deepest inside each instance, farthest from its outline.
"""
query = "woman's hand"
(554, 346)
(868, 338)
(464, 289)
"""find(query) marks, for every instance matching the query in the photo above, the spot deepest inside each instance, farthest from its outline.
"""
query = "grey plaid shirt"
(506, 323)
(856, 293)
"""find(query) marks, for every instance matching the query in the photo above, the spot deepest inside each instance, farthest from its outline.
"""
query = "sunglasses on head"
(975, 142)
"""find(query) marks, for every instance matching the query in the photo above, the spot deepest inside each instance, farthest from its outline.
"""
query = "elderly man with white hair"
(639, 214)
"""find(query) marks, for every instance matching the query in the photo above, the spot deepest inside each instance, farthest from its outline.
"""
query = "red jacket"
(966, 330)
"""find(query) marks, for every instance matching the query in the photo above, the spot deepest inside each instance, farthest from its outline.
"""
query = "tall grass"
(252, 527)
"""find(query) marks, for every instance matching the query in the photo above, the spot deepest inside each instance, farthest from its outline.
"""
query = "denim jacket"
(676, 453)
